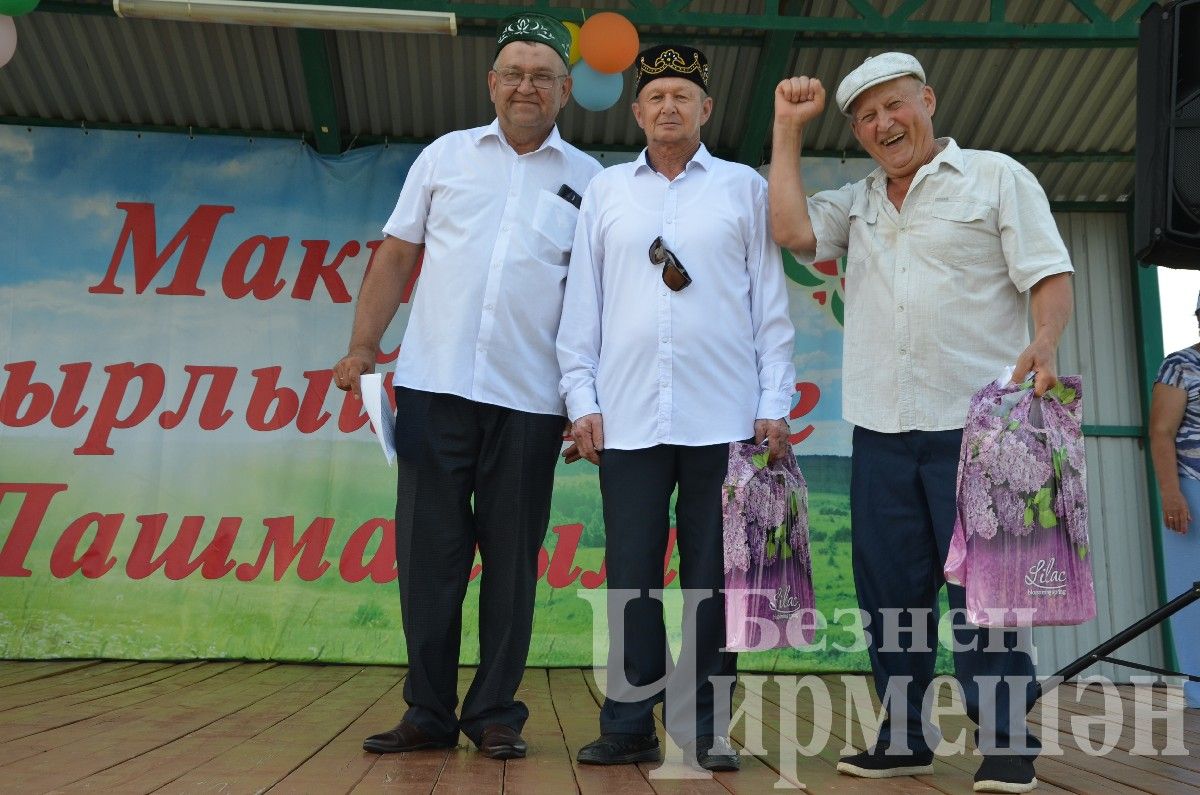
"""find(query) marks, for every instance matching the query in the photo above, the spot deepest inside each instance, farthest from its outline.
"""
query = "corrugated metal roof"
(1037, 103)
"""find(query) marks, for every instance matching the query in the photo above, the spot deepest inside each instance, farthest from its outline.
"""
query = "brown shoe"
(502, 742)
(405, 737)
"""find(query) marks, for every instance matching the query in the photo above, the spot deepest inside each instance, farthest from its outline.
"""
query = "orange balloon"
(608, 42)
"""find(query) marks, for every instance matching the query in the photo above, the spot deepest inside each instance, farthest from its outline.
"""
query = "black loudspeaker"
(1166, 226)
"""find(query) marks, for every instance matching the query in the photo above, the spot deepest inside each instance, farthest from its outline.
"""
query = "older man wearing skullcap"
(675, 341)
(942, 247)
(479, 420)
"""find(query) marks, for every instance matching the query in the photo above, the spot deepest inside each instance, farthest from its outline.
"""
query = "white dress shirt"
(497, 241)
(936, 301)
(693, 367)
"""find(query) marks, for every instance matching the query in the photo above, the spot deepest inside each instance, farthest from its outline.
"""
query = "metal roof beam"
(867, 28)
(318, 85)
(866, 22)
(771, 65)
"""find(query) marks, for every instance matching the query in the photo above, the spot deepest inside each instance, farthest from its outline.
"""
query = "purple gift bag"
(768, 571)
(1020, 540)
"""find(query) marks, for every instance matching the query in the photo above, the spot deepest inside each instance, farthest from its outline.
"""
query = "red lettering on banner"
(382, 566)
(267, 392)
(105, 420)
(314, 267)
(177, 559)
(385, 357)
(213, 413)
(560, 573)
(139, 232)
(67, 410)
(594, 579)
(353, 414)
(668, 572)
(312, 415)
(25, 527)
(282, 544)
(808, 395)
(97, 559)
(265, 283)
(20, 387)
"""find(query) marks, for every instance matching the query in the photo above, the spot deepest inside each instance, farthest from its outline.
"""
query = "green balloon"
(15, 8)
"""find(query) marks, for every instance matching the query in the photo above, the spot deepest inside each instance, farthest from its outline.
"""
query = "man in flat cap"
(676, 341)
(942, 246)
(479, 420)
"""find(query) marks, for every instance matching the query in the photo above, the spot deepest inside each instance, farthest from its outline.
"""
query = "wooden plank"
(284, 690)
(264, 760)
(1118, 765)
(1054, 775)
(671, 777)
(548, 766)
(72, 752)
(33, 726)
(79, 682)
(819, 771)
(341, 765)
(15, 673)
(1093, 699)
(467, 770)
(579, 719)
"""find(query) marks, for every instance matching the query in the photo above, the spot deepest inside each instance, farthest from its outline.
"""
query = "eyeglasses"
(543, 81)
(674, 275)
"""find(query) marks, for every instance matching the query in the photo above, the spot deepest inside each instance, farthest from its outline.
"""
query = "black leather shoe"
(405, 737)
(502, 742)
(620, 749)
(714, 753)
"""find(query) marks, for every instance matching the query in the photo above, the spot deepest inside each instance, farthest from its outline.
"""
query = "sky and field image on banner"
(180, 478)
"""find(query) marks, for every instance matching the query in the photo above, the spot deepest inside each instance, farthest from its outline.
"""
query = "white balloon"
(8, 39)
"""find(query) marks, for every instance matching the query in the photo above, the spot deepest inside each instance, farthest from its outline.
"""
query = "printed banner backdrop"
(178, 476)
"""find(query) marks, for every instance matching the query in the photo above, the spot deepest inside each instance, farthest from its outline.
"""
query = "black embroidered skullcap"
(672, 60)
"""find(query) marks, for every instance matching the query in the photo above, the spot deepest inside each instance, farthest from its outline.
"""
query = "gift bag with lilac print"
(768, 571)
(1020, 543)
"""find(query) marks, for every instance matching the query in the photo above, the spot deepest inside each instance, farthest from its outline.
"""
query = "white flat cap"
(873, 71)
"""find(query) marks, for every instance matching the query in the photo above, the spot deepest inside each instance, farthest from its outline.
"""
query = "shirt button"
(488, 307)
(902, 270)
(504, 228)
(900, 309)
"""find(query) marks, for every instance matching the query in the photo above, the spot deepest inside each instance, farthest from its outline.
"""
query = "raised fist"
(799, 100)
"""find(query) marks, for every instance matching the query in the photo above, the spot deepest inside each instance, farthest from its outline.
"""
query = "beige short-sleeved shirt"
(936, 293)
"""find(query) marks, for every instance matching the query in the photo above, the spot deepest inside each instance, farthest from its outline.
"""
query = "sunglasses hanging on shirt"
(673, 273)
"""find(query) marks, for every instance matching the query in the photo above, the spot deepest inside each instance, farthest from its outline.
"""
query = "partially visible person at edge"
(675, 341)
(1175, 449)
(942, 244)
(479, 420)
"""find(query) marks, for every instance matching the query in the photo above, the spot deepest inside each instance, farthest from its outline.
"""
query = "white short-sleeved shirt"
(694, 367)
(936, 302)
(497, 241)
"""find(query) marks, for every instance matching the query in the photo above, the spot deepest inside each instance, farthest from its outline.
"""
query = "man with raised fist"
(942, 246)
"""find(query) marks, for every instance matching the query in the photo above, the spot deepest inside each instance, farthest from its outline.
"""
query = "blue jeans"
(1181, 564)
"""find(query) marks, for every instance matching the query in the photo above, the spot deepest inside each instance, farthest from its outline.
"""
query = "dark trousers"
(902, 502)
(469, 474)
(636, 487)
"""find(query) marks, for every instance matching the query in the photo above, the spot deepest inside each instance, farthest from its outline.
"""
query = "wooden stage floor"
(234, 727)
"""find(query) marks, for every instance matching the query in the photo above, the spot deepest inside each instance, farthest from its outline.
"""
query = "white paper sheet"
(379, 410)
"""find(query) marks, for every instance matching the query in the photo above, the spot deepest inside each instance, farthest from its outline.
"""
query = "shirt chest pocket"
(554, 221)
(961, 232)
(863, 231)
